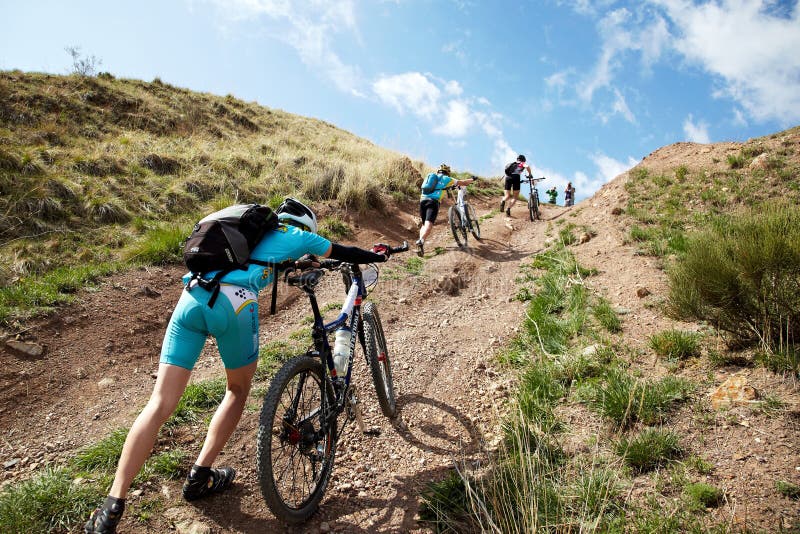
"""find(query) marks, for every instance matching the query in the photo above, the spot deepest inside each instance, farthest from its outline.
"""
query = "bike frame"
(461, 206)
(350, 315)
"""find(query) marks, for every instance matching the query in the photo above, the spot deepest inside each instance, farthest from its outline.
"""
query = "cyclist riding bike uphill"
(233, 321)
(512, 183)
(432, 189)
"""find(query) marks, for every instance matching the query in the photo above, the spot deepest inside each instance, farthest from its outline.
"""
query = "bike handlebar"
(532, 179)
(330, 264)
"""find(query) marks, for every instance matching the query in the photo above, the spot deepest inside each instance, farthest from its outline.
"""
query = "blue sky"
(584, 88)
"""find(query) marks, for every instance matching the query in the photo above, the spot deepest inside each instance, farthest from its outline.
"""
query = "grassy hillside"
(685, 187)
(96, 173)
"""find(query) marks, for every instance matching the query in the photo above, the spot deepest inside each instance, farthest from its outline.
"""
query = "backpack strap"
(277, 268)
(211, 284)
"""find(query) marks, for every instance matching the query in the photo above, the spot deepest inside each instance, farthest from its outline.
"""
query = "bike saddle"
(306, 279)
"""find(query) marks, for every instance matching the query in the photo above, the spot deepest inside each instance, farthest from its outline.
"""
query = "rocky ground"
(443, 328)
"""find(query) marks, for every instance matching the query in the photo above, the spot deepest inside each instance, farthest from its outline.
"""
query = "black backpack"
(512, 168)
(223, 242)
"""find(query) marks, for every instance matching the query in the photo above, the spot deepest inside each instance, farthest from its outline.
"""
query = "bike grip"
(329, 264)
(401, 248)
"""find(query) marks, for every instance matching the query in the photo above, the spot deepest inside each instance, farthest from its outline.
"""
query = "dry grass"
(87, 164)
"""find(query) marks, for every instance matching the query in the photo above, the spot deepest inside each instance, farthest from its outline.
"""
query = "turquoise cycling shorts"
(233, 321)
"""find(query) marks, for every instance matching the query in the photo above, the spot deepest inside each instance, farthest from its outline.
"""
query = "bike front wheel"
(457, 227)
(472, 217)
(379, 362)
(296, 440)
(537, 214)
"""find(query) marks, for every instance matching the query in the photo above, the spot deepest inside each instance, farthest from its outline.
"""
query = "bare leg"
(515, 197)
(170, 383)
(425, 231)
(228, 413)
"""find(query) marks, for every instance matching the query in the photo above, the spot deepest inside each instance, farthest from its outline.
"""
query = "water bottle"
(341, 351)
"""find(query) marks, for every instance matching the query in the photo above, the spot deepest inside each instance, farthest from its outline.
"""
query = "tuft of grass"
(444, 503)
(596, 494)
(34, 295)
(161, 245)
(271, 357)
(606, 316)
(701, 496)
(788, 489)
(50, 501)
(414, 266)
(675, 344)
(625, 400)
(335, 229)
(167, 464)
(649, 449)
(197, 398)
(104, 454)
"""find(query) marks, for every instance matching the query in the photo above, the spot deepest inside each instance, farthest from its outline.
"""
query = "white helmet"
(296, 213)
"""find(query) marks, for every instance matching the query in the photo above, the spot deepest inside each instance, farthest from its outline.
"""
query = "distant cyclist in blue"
(432, 189)
(233, 322)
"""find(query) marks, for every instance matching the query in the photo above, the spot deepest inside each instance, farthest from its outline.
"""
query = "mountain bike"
(533, 198)
(298, 429)
(462, 217)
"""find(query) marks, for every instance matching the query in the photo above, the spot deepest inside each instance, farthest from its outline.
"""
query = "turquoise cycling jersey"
(233, 320)
(442, 181)
(284, 243)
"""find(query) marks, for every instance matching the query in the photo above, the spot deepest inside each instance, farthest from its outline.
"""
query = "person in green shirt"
(553, 193)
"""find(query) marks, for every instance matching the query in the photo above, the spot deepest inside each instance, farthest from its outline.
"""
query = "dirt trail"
(102, 352)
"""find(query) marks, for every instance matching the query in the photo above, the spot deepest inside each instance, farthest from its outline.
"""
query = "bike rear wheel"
(379, 362)
(472, 217)
(457, 227)
(296, 445)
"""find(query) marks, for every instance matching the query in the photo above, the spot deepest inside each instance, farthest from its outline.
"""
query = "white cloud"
(696, 132)
(608, 168)
(751, 48)
(325, 17)
(458, 120)
(621, 107)
(411, 91)
(453, 88)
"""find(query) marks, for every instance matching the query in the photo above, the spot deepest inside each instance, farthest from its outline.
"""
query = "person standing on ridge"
(512, 183)
(432, 188)
(569, 195)
(232, 319)
(553, 194)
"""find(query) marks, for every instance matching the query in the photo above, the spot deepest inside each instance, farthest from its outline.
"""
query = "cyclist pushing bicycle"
(512, 183)
(432, 189)
(230, 315)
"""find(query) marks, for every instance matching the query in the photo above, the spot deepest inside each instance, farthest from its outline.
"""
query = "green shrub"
(788, 489)
(701, 495)
(785, 360)
(649, 449)
(675, 344)
(742, 277)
